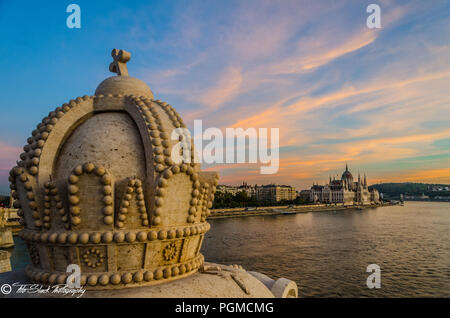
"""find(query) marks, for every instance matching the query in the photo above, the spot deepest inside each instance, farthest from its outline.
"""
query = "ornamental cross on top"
(119, 66)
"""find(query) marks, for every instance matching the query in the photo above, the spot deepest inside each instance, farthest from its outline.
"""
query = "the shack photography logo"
(71, 288)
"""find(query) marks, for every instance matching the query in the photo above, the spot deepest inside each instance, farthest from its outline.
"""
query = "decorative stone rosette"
(96, 186)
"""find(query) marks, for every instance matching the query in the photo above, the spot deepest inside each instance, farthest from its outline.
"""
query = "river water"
(327, 253)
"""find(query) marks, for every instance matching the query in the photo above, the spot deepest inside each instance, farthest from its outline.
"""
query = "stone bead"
(168, 161)
(138, 277)
(130, 189)
(119, 237)
(73, 237)
(74, 200)
(108, 210)
(171, 234)
(62, 238)
(115, 279)
(175, 271)
(95, 238)
(61, 279)
(89, 167)
(158, 274)
(148, 276)
(78, 170)
(167, 174)
(175, 169)
(83, 280)
(92, 280)
(52, 279)
(162, 235)
(127, 278)
(108, 220)
(53, 237)
(141, 236)
(159, 202)
(106, 179)
(73, 179)
(192, 210)
(73, 189)
(107, 200)
(104, 279)
(158, 211)
(44, 237)
(130, 237)
(83, 238)
(33, 170)
(100, 171)
(107, 190)
(107, 237)
(167, 272)
(152, 235)
(162, 183)
(75, 210)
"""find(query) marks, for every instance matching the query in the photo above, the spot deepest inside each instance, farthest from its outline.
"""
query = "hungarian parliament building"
(345, 191)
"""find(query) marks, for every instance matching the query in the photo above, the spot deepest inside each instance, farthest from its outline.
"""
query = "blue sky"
(338, 91)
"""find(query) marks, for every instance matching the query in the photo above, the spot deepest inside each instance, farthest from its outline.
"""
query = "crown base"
(119, 279)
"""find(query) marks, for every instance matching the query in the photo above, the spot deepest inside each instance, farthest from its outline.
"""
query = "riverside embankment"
(285, 209)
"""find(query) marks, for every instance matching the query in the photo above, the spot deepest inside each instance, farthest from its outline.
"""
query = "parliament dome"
(347, 175)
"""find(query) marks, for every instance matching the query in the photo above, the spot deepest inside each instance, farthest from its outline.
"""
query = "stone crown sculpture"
(96, 186)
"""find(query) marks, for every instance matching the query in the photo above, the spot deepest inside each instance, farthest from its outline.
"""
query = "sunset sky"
(377, 99)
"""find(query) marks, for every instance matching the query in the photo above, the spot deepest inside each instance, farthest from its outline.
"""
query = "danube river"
(327, 253)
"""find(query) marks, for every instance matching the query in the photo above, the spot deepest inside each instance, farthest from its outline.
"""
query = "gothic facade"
(345, 191)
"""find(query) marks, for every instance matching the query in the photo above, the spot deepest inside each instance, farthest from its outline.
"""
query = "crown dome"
(96, 186)
(125, 85)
